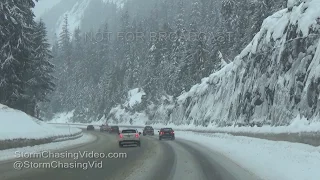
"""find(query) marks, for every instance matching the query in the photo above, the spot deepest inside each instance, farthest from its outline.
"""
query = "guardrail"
(18, 143)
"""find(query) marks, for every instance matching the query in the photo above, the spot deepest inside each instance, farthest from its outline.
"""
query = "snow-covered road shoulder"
(56, 146)
(19, 129)
(269, 160)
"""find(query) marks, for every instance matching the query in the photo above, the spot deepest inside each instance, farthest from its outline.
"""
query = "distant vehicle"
(104, 128)
(166, 133)
(129, 137)
(148, 130)
(90, 128)
(114, 129)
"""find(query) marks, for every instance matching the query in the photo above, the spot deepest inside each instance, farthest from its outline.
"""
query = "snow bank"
(11, 153)
(18, 125)
(298, 125)
(268, 159)
(273, 80)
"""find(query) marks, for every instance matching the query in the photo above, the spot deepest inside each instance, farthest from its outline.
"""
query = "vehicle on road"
(129, 137)
(90, 128)
(104, 128)
(166, 133)
(114, 130)
(148, 130)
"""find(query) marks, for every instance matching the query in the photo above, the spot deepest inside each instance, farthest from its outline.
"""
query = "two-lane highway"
(157, 160)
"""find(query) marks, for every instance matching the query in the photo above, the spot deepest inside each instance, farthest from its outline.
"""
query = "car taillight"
(161, 132)
(121, 135)
(172, 132)
(137, 135)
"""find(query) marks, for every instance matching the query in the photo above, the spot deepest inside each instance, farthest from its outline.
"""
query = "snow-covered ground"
(270, 160)
(18, 125)
(14, 153)
(298, 125)
(64, 117)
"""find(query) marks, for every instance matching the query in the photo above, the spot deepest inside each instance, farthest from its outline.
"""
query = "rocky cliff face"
(274, 79)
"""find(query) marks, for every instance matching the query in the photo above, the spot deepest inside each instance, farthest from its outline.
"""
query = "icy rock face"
(274, 79)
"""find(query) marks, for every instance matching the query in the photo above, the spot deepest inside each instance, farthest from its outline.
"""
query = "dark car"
(148, 130)
(104, 128)
(114, 130)
(166, 133)
(90, 128)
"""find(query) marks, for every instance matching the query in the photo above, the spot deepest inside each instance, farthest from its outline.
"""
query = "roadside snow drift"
(18, 125)
(269, 160)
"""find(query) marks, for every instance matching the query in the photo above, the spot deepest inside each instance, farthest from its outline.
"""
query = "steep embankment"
(274, 79)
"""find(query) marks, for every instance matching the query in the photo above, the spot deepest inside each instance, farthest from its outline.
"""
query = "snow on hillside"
(272, 81)
(129, 109)
(75, 16)
(119, 3)
(16, 124)
(120, 115)
(135, 97)
(75, 11)
(65, 117)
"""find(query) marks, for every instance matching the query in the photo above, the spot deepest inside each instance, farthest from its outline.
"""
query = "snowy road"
(158, 160)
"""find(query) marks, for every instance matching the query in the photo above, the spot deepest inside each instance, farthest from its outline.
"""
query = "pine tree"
(16, 53)
(179, 50)
(65, 44)
(78, 57)
(41, 80)
(66, 65)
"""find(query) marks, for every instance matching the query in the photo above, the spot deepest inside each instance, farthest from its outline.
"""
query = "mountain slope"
(274, 79)
(88, 14)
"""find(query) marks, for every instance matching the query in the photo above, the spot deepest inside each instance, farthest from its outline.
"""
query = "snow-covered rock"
(135, 97)
(272, 81)
(132, 109)
(292, 3)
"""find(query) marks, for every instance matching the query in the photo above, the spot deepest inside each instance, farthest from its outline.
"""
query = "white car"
(129, 137)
